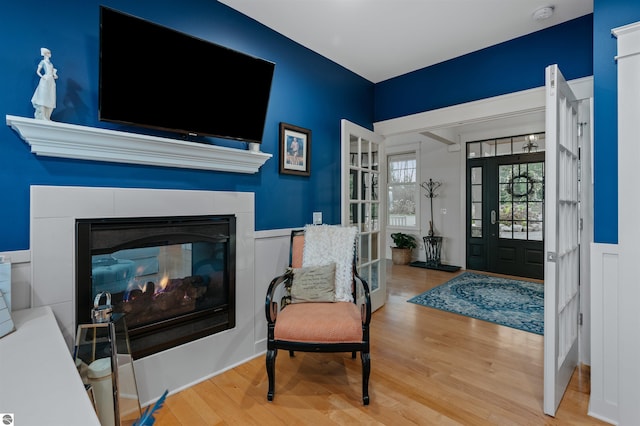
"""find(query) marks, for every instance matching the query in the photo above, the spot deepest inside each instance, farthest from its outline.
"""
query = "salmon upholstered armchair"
(320, 304)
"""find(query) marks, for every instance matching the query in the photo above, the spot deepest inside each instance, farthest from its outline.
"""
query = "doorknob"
(493, 217)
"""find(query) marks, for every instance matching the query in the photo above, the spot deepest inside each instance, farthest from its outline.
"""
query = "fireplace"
(173, 277)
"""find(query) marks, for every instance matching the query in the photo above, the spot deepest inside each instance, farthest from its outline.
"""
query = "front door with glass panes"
(505, 205)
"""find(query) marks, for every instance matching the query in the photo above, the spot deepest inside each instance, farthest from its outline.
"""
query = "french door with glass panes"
(505, 199)
(361, 173)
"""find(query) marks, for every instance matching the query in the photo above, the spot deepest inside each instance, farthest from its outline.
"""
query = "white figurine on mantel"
(44, 98)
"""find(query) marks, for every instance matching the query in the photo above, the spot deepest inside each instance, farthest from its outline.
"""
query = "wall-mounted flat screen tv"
(155, 77)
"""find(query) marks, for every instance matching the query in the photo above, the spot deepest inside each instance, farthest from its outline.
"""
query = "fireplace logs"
(171, 298)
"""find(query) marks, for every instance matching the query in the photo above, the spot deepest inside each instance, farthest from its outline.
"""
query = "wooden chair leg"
(366, 370)
(271, 372)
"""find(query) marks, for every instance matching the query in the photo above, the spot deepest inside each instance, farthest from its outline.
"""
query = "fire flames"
(145, 302)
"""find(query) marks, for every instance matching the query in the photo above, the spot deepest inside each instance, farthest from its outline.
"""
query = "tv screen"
(156, 77)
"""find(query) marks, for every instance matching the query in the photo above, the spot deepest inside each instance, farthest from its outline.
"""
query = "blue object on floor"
(147, 418)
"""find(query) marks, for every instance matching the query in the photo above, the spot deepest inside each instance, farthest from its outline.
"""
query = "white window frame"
(410, 151)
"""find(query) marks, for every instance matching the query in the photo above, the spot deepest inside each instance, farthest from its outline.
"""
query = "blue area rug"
(513, 303)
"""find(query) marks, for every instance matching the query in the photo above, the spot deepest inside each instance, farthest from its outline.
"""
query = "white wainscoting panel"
(603, 402)
(272, 259)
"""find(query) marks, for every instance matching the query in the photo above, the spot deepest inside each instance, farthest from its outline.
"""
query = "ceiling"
(381, 39)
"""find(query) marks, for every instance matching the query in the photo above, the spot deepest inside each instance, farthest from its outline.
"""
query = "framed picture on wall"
(295, 150)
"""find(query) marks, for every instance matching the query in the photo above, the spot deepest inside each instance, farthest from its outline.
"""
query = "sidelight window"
(476, 202)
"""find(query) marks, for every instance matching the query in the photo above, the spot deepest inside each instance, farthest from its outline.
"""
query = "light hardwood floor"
(428, 367)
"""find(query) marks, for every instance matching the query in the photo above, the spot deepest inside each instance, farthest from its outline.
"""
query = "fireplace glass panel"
(156, 283)
(173, 278)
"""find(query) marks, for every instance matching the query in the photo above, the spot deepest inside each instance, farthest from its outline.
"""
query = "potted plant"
(404, 245)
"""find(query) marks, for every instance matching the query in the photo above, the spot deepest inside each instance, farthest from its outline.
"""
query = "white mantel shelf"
(53, 139)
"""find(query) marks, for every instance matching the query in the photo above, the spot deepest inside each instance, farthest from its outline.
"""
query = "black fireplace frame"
(149, 339)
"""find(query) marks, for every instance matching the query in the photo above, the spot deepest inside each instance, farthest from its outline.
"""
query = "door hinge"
(580, 319)
(581, 224)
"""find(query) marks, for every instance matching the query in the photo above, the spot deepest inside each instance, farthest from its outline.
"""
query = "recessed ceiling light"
(543, 13)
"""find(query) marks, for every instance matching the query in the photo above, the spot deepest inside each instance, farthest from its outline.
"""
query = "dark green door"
(505, 199)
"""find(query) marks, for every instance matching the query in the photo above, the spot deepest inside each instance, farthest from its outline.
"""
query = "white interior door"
(361, 203)
(561, 239)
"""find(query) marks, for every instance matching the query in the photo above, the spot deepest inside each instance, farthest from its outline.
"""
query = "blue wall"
(504, 68)
(308, 91)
